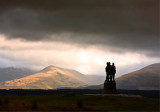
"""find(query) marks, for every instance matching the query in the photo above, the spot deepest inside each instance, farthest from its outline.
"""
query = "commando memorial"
(110, 83)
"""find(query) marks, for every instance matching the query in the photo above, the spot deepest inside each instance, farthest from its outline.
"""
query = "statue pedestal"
(110, 87)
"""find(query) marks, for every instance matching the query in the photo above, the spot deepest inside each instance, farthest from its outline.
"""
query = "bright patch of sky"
(90, 60)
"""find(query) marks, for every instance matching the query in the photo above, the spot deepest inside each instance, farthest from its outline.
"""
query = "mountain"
(147, 78)
(87, 79)
(53, 77)
(11, 73)
(50, 78)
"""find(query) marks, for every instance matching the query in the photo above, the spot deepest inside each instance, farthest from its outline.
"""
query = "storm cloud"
(128, 25)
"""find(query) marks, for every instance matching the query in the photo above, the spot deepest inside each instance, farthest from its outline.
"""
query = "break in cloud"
(54, 29)
(88, 60)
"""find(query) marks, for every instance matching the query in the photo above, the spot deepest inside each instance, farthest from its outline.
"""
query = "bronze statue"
(113, 71)
(110, 71)
(110, 83)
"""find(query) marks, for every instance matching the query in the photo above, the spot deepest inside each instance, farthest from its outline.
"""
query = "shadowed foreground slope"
(72, 102)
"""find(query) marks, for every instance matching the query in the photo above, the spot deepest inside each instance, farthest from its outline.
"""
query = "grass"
(72, 102)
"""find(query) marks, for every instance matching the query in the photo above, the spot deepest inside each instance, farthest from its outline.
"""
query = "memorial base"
(110, 87)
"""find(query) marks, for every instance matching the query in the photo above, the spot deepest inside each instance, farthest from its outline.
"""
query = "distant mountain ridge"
(147, 78)
(11, 73)
(152, 67)
(51, 77)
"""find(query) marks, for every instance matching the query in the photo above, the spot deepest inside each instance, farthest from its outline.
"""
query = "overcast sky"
(79, 34)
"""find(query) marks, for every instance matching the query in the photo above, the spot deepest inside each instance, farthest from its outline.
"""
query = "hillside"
(53, 77)
(49, 78)
(147, 78)
(11, 73)
(88, 79)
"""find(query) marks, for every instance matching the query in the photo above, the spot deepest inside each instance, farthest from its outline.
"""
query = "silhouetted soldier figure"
(113, 72)
(108, 71)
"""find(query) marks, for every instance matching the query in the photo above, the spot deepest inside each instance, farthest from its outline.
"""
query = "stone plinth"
(110, 87)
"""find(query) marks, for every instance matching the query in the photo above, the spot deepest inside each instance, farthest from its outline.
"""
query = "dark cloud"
(126, 24)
